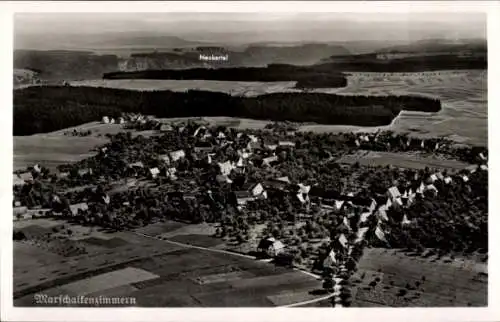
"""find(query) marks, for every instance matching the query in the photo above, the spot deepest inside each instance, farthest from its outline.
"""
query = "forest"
(306, 77)
(50, 108)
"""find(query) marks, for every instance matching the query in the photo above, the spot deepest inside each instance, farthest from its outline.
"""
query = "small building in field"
(271, 247)
(105, 120)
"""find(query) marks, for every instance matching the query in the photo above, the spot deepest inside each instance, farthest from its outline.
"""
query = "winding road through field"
(220, 251)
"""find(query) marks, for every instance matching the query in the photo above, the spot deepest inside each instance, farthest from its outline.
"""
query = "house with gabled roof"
(448, 180)
(75, 208)
(166, 128)
(289, 144)
(226, 167)
(393, 193)
(177, 155)
(270, 246)
(269, 161)
(277, 183)
(243, 197)
(330, 260)
(220, 178)
(137, 164)
(154, 172)
(256, 189)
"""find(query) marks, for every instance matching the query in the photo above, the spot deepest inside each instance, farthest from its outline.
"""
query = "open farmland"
(463, 117)
(464, 113)
(55, 148)
(156, 273)
(402, 160)
(408, 281)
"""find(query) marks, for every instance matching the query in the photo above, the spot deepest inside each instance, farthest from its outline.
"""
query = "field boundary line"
(221, 251)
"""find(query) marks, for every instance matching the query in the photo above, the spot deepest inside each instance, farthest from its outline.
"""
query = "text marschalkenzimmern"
(82, 300)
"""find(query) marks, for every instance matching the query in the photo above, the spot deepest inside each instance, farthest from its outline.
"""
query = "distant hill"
(78, 65)
(438, 45)
(61, 65)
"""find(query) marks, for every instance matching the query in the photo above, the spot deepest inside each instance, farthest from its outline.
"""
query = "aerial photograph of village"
(250, 160)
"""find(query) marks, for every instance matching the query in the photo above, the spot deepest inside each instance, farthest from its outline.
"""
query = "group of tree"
(50, 108)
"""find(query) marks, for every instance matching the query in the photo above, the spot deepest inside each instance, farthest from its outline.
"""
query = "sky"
(233, 27)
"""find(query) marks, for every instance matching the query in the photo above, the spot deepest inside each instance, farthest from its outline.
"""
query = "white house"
(448, 180)
(433, 178)
(267, 161)
(360, 234)
(432, 188)
(177, 155)
(137, 164)
(484, 167)
(105, 120)
(121, 120)
(271, 246)
(154, 172)
(286, 143)
(465, 178)
(364, 217)
(198, 130)
(79, 206)
(226, 167)
(330, 260)
(343, 240)
(393, 193)
(482, 156)
(382, 213)
(171, 173)
(37, 168)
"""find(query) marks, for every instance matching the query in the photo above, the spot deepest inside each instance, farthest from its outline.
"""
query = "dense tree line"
(370, 63)
(306, 77)
(45, 109)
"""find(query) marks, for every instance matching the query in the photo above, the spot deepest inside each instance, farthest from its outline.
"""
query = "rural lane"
(221, 251)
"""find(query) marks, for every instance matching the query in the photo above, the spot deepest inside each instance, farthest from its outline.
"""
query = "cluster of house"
(375, 137)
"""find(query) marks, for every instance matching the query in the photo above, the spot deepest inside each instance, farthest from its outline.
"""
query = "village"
(277, 193)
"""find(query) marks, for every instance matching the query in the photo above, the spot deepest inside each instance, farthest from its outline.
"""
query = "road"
(221, 251)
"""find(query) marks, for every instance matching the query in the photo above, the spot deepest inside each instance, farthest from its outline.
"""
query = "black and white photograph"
(249, 159)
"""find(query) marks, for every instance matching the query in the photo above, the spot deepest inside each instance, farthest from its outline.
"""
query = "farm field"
(154, 272)
(375, 158)
(464, 113)
(55, 148)
(463, 94)
(403, 280)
